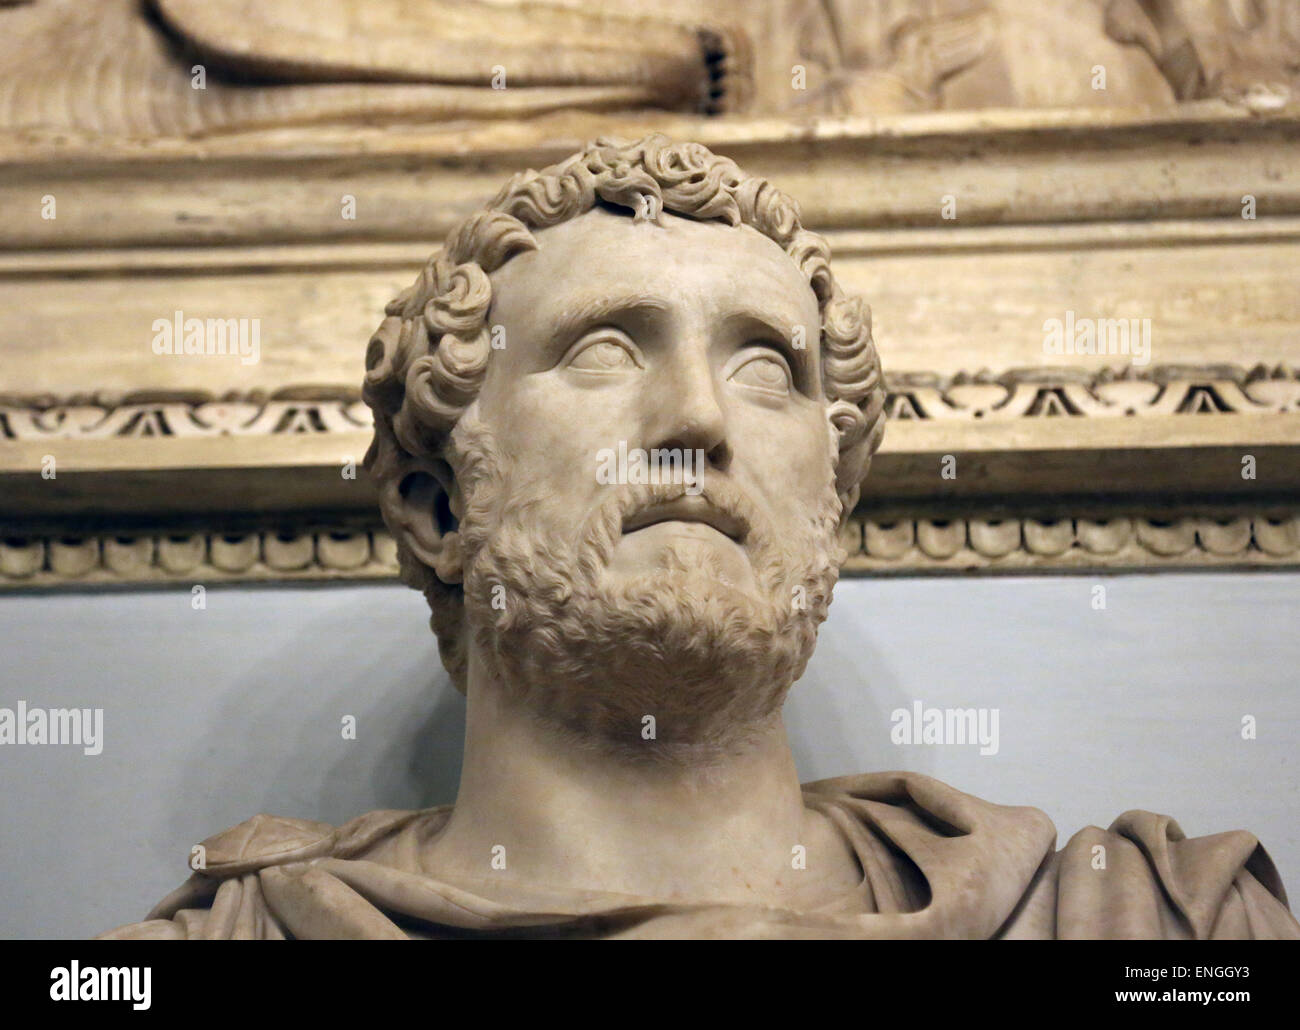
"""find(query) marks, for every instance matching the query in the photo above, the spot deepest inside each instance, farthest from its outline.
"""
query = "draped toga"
(935, 862)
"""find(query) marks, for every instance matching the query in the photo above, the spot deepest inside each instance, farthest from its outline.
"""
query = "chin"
(710, 662)
(695, 575)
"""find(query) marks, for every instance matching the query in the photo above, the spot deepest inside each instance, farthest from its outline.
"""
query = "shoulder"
(959, 863)
(226, 865)
(1143, 878)
(949, 811)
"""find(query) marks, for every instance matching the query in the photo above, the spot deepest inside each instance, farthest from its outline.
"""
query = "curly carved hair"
(427, 361)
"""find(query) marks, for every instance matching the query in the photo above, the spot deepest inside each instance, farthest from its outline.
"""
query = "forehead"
(715, 268)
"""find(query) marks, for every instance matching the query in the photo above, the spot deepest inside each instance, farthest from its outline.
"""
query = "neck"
(725, 829)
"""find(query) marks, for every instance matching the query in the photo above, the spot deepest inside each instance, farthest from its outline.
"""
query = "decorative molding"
(1107, 213)
(1028, 441)
(100, 417)
(1078, 544)
(909, 545)
(1017, 393)
(1021, 167)
(122, 559)
(1130, 392)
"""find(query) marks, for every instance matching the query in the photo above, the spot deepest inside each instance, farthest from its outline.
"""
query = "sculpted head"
(619, 420)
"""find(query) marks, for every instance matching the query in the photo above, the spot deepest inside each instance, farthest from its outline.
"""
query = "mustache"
(629, 502)
(692, 509)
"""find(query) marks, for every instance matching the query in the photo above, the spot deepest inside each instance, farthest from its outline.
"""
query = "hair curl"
(427, 361)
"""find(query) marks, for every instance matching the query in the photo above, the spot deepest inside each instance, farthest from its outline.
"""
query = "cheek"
(790, 451)
(552, 434)
(810, 470)
(789, 468)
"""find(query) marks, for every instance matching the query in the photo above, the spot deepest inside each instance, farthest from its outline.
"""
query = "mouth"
(689, 509)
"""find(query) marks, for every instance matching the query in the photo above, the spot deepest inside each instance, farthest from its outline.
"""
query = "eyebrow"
(593, 312)
(778, 330)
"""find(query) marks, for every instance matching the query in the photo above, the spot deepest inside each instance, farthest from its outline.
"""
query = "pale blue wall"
(212, 716)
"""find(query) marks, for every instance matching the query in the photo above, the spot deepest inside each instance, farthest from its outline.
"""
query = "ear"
(422, 506)
(849, 501)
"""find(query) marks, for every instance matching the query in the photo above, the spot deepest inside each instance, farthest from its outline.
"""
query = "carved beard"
(594, 654)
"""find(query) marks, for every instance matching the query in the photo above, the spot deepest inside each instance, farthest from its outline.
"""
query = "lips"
(689, 509)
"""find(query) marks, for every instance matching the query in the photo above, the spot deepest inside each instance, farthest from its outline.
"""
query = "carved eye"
(765, 372)
(607, 352)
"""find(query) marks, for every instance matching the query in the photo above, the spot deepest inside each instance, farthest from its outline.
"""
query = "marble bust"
(619, 419)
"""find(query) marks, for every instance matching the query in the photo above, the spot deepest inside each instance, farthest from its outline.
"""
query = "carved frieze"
(986, 544)
(1018, 393)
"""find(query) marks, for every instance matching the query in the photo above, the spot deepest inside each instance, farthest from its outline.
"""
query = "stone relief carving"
(1245, 51)
(875, 56)
(626, 647)
(179, 67)
(150, 68)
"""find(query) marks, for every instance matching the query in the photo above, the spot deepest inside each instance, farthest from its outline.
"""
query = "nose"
(689, 415)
